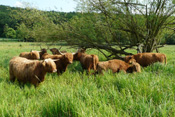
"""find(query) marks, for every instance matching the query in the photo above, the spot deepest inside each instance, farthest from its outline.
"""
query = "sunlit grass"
(74, 93)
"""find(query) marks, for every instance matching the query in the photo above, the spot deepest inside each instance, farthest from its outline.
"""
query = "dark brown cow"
(43, 51)
(33, 55)
(63, 62)
(145, 59)
(32, 71)
(118, 65)
(87, 61)
(56, 51)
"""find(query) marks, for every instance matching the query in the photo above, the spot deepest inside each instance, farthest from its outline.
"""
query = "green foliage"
(31, 23)
(141, 22)
(9, 32)
(6, 19)
(170, 39)
(74, 93)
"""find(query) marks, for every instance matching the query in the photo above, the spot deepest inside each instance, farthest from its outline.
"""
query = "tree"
(140, 24)
(9, 32)
(35, 24)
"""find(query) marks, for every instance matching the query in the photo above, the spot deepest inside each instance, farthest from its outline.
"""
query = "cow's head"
(68, 57)
(43, 50)
(49, 65)
(78, 54)
(34, 55)
(56, 51)
(135, 67)
(129, 59)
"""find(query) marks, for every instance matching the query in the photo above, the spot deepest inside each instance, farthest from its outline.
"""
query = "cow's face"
(44, 50)
(35, 55)
(131, 61)
(69, 58)
(54, 51)
(127, 59)
(77, 56)
(135, 67)
(49, 65)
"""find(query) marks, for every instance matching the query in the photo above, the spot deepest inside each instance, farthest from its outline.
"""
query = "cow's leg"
(88, 70)
(12, 78)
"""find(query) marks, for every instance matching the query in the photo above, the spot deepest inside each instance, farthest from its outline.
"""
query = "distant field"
(9, 40)
(150, 93)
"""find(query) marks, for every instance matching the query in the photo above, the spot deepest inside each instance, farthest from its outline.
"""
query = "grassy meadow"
(74, 93)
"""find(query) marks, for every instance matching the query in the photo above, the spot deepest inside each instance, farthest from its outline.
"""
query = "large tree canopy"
(116, 25)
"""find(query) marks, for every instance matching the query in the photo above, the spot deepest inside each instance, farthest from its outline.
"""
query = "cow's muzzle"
(55, 70)
(70, 62)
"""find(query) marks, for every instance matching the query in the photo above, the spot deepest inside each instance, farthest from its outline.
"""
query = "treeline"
(10, 24)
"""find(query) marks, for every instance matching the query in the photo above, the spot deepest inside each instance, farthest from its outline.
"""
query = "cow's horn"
(55, 59)
(60, 52)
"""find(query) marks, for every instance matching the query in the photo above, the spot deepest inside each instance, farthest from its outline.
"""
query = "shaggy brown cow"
(32, 71)
(63, 62)
(56, 51)
(118, 65)
(33, 55)
(145, 59)
(87, 61)
(46, 56)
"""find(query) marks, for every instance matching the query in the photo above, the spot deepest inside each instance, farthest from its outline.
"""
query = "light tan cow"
(32, 71)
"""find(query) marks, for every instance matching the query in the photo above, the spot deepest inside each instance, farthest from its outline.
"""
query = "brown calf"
(63, 62)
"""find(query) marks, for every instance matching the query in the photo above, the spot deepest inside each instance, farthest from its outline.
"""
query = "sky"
(56, 5)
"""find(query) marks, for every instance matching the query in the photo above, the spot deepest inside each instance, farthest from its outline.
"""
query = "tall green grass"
(74, 93)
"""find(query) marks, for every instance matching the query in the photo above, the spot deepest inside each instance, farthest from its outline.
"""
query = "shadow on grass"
(75, 66)
(20, 84)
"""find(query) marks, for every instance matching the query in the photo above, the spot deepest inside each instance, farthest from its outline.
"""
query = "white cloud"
(19, 4)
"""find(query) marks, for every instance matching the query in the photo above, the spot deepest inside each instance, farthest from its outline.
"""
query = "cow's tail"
(94, 62)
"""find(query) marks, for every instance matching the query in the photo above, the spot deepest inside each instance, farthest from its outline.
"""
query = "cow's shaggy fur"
(145, 59)
(87, 61)
(118, 65)
(46, 56)
(32, 71)
(33, 55)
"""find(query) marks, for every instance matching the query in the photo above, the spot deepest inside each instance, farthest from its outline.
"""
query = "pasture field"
(74, 93)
